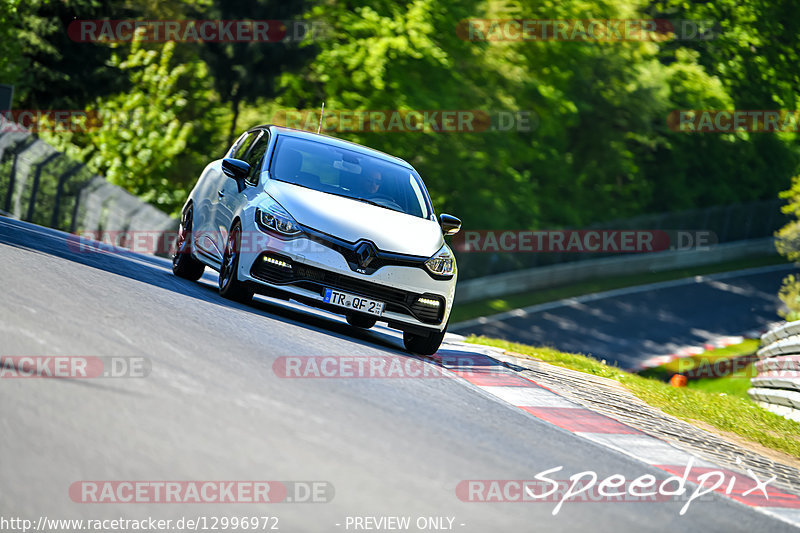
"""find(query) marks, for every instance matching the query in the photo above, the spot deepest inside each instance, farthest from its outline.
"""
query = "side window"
(236, 143)
(244, 145)
(255, 157)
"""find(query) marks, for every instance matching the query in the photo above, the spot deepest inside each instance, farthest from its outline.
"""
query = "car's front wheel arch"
(424, 343)
(184, 264)
(229, 284)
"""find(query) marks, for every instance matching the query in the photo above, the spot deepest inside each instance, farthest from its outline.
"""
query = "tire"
(184, 265)
(423, 344)
(361, 321)
(229, 285)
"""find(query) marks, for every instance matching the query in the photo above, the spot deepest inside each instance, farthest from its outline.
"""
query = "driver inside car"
(373, 182)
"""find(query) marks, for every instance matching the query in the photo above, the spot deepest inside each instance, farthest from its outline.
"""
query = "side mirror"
(450, 224)
(235, 168)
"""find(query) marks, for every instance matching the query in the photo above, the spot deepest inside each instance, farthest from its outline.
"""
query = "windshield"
(348, 173)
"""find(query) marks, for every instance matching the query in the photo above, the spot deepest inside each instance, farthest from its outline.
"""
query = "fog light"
(277, 262)
(429, 302)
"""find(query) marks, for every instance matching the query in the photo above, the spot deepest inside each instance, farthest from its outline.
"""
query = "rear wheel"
(229, 285)
(183, 264)
(423, 344)
(361, 321)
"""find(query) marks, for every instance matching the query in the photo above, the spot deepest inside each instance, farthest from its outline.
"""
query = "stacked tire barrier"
(41, 185)
(777, 385)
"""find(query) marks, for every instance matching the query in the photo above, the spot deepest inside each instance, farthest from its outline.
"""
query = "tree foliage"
(599, 148)
(788, 244)
(244, 72)
(141, 137)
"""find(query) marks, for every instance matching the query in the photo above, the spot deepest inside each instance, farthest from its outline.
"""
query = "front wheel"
(229, 285)
(423, 344)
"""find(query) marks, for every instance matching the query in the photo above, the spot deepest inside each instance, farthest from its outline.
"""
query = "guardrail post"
(35, 190)
(60, 190)
(17, 151)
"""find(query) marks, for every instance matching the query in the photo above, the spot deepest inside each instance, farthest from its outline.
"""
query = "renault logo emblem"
(365, 253)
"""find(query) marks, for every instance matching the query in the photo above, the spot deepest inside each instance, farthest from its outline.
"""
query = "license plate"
(351, 301)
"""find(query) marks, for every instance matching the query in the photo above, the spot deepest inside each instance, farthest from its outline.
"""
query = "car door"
(206, 200)
(232, 198)
(209, 238)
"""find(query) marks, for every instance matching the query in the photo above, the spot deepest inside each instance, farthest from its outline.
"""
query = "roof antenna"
(320, 117)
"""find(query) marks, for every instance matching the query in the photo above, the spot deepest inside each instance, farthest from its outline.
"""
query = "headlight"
(271, 216)
(443, 263)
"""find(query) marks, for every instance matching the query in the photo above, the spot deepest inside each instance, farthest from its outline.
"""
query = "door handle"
(221, 193)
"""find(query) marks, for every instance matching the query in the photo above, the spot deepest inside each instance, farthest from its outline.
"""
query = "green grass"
(726, 412)
(735, 384)
(492, 306)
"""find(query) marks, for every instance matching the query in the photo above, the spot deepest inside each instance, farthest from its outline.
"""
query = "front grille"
(379, 259)
(316, 279)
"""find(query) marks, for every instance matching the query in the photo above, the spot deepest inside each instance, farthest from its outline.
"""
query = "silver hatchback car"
(326, 222)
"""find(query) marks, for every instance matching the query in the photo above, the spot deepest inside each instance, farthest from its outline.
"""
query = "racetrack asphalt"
(212, 408)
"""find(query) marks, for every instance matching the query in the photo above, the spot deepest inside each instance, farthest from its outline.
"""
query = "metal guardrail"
(777, 385)
(730, 223)
(41, 185)
(500, 285)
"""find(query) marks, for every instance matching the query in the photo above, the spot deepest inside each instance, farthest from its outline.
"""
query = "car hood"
(351, 220)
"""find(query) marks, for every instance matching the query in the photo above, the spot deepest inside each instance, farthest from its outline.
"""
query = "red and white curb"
(712, 343)
(494, 378)
(688, 351)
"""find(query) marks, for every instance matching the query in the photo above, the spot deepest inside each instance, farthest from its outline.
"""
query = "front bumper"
(302, 269)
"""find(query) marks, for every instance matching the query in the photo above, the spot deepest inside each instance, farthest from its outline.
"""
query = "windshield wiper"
(368, 201)
(365, 200)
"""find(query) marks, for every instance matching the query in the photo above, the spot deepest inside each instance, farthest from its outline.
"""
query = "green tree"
(602, 148)
(787, 242)
(48, 70)
(601, 108)
(245, 72)
(154, 138)
(752, 57)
